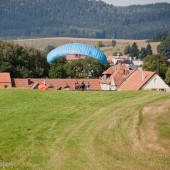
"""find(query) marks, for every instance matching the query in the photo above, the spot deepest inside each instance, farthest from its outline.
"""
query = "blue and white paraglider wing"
(76, 48)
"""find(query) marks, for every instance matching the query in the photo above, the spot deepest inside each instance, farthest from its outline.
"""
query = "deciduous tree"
(156, 63)
(57, 68)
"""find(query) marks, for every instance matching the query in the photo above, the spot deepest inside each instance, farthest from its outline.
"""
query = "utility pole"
(158, 67)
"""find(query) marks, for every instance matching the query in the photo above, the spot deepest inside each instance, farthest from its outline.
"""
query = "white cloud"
(132, 2)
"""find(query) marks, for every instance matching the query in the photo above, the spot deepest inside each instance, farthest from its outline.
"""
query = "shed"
(5, 80)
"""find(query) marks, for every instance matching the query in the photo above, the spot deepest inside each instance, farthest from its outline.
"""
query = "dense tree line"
(83, 68)
(160, 63)
(22, 62)
(159, 37)
(26, 62)
(164, 47)
(81, 18)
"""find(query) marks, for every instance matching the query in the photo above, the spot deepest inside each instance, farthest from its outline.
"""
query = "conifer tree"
(149, 50)
(134, 51)
(143, 53)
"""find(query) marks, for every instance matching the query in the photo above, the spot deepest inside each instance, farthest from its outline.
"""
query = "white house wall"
(113, 87)
(105, 86)
(155, 83)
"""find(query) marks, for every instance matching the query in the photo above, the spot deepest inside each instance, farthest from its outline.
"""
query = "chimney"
(143, 76)
(118, 55)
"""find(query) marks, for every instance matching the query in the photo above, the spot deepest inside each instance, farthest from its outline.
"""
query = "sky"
(132, 2)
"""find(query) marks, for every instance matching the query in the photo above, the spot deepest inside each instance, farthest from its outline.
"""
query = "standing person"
(77, 86)
(88, 86)
(83, 86)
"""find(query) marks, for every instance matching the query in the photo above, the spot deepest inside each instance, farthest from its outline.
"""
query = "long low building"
(58, 84)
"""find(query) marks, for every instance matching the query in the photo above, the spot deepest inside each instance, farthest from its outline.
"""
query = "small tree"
(134, 50)
(127, 49)
(100, 44)
(142, 53)
(113, 43)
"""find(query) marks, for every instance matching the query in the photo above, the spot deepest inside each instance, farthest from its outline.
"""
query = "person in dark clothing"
(83, 86)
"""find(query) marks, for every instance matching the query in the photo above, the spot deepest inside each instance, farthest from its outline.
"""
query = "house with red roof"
(121, 78)
(143, 80)
(5, 80)
(131, 63)
(117, 77)
(114, 76)
(113, 60)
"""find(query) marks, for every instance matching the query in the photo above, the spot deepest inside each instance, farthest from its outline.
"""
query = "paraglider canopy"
(76, 48)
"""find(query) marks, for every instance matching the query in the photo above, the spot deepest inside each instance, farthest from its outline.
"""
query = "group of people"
(82, 86)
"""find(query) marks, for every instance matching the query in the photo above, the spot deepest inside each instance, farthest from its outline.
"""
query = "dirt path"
(148, 134)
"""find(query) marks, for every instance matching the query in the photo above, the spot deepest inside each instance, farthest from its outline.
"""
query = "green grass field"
(72, 130)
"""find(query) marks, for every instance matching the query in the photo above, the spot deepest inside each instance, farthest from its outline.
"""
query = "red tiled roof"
(117, 73)
(136, 80)
(5, 78)
(110, 70)
(73, 57)
(56, 83)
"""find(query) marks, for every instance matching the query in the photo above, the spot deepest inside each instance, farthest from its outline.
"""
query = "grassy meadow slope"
(42, 43)
(84, 130)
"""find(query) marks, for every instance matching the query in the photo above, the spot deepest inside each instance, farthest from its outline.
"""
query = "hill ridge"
(81, 18)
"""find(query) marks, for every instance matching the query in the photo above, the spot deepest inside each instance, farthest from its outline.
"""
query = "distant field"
(42, 43)
(73, 130)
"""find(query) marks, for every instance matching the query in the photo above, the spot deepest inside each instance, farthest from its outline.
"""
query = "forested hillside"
(81, 18)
